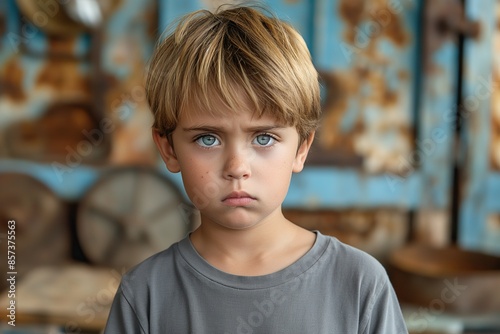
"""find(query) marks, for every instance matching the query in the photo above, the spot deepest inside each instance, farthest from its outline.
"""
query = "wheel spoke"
(112, 248)
(109, 216)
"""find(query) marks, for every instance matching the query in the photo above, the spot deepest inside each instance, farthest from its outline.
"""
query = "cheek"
(283, 164)
(276, 169)
(200, 183)
(195, 176)
(277, 173)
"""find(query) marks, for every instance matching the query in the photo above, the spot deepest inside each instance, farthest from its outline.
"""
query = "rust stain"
(115, 5)
(390, 97)
(61, 44)
(151, 17)
(494, 222)
(366, 85)
(495, 124)
(380, 92)
(131, 142)
(127, 106)
(495, 99)
(352, 11)
(371, 21)
(495, 135)
(403, 75)
(61, 130)
(395, 30)
(492, 230)
(495, 151)
(63, 76)
(11, 81)
(340, 88)
(363, 143)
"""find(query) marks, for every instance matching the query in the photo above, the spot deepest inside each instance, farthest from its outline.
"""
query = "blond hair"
(215, 57)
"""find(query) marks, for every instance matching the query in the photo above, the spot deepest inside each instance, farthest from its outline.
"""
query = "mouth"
(238, 198)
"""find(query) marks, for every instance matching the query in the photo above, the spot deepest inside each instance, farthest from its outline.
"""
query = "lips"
(238, 198)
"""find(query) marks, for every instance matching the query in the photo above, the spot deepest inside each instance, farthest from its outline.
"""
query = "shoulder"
(364, 282)
(357, 271)
(150, 272)
(353, 260)
(138, 293)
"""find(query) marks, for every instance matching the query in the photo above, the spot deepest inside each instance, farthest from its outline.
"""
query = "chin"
(237, 220)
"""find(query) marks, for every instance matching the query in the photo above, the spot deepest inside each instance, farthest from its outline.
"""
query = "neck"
(211, 239)
(267, 247)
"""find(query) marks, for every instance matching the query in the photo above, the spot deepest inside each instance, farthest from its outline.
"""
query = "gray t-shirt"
(333, 288)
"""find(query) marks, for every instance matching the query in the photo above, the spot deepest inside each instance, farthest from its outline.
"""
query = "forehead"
(220, 99)
(211, 103)
(226, 117)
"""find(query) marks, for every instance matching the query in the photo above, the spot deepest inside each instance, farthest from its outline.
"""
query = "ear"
(166, 151)
(300, 157)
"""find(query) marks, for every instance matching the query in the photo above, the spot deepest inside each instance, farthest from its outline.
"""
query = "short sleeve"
(384, 314)
(122, 317)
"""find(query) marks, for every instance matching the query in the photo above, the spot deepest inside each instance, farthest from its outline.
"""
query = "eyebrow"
(261, 128)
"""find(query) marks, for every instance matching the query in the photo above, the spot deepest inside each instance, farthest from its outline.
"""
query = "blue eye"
(207, 141)
(264, 140)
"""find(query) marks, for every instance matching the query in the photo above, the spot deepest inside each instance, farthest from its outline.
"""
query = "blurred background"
(406, 165)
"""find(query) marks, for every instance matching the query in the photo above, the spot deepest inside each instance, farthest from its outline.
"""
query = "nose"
(237, 165)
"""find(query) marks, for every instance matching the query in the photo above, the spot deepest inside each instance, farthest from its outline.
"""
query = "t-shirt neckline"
(198, 264)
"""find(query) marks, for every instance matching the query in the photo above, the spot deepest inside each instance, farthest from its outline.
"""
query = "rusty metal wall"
(72, 105)
(73, 102)
(366, 52)
(389, 95)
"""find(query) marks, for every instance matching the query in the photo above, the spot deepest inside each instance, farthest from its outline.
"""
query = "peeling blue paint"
(481, 185)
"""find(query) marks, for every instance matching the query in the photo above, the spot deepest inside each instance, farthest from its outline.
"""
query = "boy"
(236, 102)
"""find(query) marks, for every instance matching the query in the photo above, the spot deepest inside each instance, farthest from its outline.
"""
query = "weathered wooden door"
(479, 116)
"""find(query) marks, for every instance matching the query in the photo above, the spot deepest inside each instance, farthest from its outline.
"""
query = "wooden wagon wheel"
(41, 228)
(130, 214)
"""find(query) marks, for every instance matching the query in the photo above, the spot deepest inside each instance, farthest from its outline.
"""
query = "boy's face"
(236, 168)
